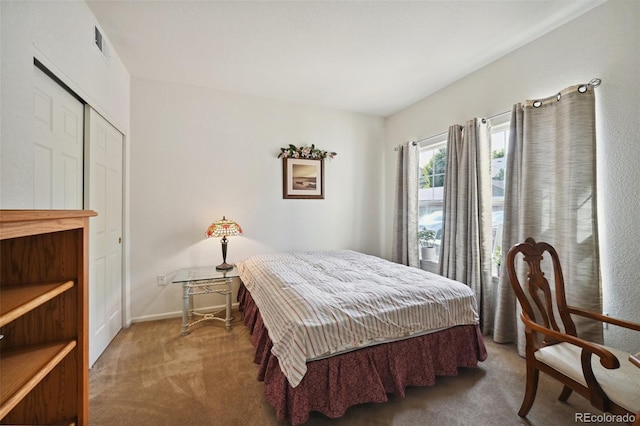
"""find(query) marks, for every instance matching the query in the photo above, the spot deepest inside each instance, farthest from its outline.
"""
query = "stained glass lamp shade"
(224, 228)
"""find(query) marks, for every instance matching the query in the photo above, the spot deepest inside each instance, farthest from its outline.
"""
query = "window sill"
(430, 266)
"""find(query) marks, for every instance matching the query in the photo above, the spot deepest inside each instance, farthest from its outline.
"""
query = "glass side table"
(204, 280)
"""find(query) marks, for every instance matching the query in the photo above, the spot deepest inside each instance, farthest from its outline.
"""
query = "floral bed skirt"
(334, 384)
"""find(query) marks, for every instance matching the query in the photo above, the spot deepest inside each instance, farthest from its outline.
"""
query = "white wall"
(602, 43)
(60, 35)
(200, 154)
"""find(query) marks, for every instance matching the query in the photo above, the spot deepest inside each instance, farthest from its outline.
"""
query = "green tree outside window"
(433, 171)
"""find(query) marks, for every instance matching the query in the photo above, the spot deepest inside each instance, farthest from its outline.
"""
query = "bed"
(333, 329)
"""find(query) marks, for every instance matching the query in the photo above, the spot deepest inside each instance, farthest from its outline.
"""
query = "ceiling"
(370, 57)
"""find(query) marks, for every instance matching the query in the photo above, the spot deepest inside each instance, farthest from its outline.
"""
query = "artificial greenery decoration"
(311, 152)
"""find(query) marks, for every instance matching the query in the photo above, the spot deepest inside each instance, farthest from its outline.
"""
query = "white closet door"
(57, 145)
(103, 181)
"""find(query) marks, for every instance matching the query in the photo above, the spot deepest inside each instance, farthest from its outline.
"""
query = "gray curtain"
(405, 217)
(550, 195)
(466, 238)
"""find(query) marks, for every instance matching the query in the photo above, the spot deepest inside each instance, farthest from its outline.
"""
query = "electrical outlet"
(162, 279)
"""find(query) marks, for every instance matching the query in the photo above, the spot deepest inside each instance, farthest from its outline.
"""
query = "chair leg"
(530, 391)
(566, 393)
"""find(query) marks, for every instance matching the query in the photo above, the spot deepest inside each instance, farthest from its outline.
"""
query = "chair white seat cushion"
(622, 385)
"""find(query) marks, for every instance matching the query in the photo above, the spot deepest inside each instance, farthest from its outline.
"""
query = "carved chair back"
(536, 291)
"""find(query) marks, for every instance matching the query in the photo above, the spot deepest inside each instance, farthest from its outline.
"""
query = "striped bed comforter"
(317, 304)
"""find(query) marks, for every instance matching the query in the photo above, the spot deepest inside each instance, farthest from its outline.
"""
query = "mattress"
(317, 304)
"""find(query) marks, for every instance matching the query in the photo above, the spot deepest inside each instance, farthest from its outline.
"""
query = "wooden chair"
(608, 380)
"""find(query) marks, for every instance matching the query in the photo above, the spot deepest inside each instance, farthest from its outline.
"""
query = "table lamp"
(224, 228)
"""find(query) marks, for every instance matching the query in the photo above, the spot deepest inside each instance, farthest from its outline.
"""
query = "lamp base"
(224, 267)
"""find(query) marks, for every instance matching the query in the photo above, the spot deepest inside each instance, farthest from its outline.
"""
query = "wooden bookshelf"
(43, 316)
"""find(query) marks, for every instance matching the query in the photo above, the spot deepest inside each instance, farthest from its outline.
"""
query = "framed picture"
(303, 178)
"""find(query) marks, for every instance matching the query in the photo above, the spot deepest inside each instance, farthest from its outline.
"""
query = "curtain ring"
(595, 82)
(537, 104)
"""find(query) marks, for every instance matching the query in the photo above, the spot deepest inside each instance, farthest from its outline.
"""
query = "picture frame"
(303, 178)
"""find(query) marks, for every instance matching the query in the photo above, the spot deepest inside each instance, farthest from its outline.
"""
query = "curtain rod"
(414, 143)
(595, 82)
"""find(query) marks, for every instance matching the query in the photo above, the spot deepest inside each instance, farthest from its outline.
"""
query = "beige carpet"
(151, 375)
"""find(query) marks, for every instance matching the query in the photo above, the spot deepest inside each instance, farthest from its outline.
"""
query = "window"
(433, 154)
(499, 144)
